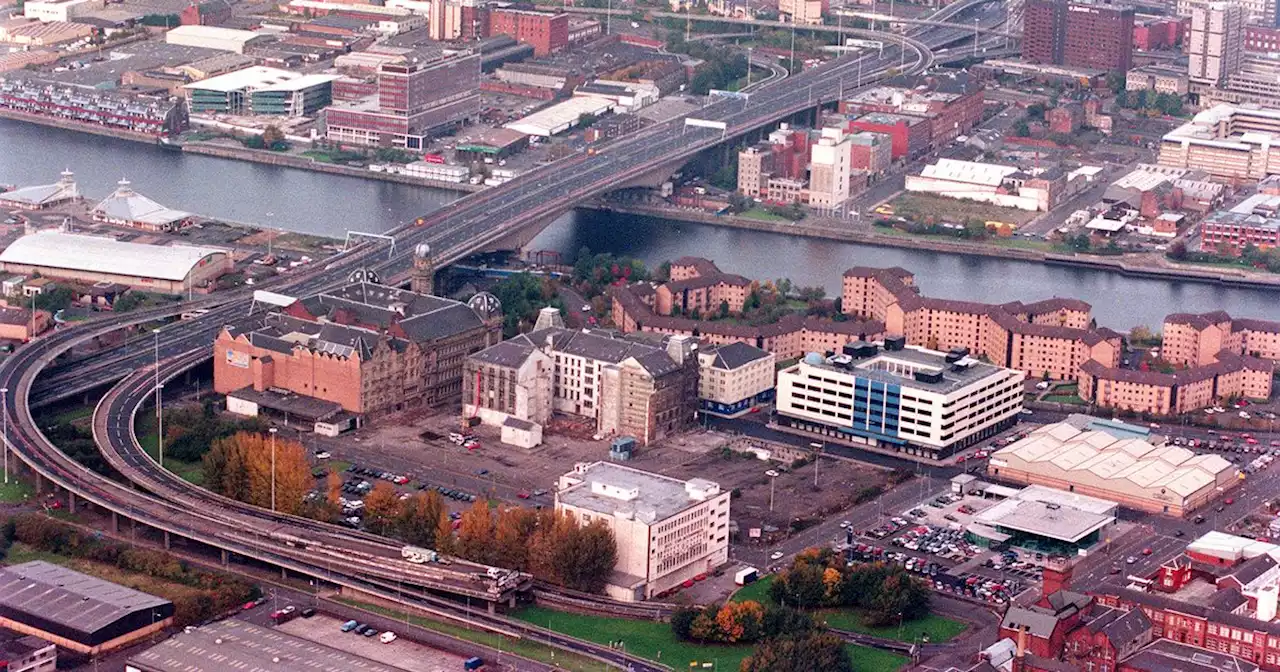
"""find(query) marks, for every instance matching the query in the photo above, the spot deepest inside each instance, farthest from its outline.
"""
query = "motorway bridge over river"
(501, 217)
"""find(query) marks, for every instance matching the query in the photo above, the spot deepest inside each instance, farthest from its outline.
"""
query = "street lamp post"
(159, 403)
(273, 468)
(4, 408)
(772, 475)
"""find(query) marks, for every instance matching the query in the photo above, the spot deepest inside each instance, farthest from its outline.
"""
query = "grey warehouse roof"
(68, 598)
(70, 251)
(236, 645)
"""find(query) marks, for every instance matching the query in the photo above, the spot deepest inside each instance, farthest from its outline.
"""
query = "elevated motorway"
(355, 560)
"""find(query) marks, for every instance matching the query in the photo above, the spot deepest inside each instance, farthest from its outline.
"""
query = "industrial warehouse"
(77, 611)
(1115, 461)
(169, 269)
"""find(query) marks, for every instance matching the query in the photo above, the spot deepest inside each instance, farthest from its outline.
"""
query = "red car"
(522, 495)
(249, 605)
(1229, 500)
(1146, 551)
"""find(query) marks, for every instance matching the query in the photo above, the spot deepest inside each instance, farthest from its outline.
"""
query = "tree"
(815, 651)
(240, 466)
(1177, 251)
(576, 557)
(381, 507)
(419, 518)
(475, 534)
(446, 543)
(272, 136)
(724, 309)
(1022, 129)
(511, 532)
(54, 298)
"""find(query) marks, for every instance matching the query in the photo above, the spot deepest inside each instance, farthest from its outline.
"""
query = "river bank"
(848, 234)
(238, 153)
(308, 163)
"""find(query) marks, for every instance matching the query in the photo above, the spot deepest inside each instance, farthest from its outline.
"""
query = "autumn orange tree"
(420, 517)
(475, 534)
(578, 557)
(382, 507)
(240, 466)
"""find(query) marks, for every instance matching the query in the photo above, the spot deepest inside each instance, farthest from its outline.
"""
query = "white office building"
(903, 398)
(667, 530)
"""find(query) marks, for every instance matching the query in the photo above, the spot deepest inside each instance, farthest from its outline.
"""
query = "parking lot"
(400, 653)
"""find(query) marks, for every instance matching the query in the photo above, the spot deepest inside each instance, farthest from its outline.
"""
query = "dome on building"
(422, 251)
(814, 358)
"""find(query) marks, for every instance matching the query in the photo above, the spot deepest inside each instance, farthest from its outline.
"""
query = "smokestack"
(1022, 642)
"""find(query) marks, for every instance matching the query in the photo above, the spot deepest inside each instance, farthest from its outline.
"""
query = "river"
(330, 205)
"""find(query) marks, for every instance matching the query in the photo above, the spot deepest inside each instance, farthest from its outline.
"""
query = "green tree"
(1177, 250)
(272, 136)
(815, 651)
(54, 298)
(1022, 130)
(724, 309)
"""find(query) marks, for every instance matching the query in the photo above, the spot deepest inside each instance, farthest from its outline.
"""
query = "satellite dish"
(364, 275)
(485, 304)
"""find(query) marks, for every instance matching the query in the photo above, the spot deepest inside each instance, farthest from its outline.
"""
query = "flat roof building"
(1231, 142)
(904, 399)
(233, 644)
(1107, 460)
(212, 37)
(262, 90)
(561, 117)
(76, 611)
(667, 530)
(26, 653)
(168, 269)
(1045, 520)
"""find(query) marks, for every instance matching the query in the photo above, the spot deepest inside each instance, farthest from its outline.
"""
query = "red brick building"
(952, 100)
(1261, 39)
(369, 348)
(547, 32)
(1065, 118)
(1079, 35)
(1151, 34)
(208, 13)
(910, 136)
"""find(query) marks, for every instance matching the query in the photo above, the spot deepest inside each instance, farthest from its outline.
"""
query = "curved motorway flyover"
(455, 231)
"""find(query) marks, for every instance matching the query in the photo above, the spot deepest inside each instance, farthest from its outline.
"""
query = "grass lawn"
(758, 591)
(994, 241)
(938, 628)
(867, 659)
(338, 466)
(1064, 399)
(15, 491)
(957, 209)
(528, 649)
(191, 472)
(647, 639)
(762, 215)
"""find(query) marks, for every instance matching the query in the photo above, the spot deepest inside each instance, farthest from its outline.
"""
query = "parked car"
(387, 637)
(349, 626)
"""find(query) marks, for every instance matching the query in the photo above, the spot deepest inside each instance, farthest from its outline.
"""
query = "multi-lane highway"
(356, 560)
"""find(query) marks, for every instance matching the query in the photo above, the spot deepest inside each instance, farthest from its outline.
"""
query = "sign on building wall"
(238, 359)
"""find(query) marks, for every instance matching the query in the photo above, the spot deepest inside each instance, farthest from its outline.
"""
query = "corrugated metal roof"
(70, 251)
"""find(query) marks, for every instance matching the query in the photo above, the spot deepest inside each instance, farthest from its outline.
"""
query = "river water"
(325, 204)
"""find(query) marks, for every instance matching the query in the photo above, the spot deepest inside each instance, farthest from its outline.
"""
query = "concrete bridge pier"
(71, 500)
(493, 608)
(115, 523)
(40, 483)
(226, 559)
(166, 539)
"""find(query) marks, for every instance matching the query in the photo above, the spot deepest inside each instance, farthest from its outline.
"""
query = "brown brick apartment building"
(1182, 391)
(546, 31)
(367, 347)
(1196, 339)
(1052, 337)
(1078, 34)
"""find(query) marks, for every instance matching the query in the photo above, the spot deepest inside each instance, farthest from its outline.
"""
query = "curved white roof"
(71, 251)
